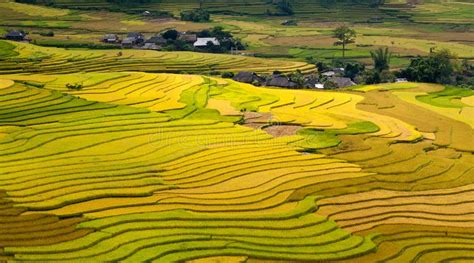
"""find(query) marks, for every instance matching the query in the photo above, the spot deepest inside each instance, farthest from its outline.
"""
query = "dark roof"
(156, 40)
(247, 77)
(128, 41)
(342, 82)
(15, 33)
(188, 37)
(151, 46)
(135, 35)
(281, 81)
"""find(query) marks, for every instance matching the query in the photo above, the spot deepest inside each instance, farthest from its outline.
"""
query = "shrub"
(47, 34)
(330, 85)
(321, 66)
(351, 70)
(75, 86)
(170, 34)
(227, 75)
(196, 15)
(375, 76)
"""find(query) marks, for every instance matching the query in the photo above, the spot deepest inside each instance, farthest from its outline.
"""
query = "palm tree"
(381, 58)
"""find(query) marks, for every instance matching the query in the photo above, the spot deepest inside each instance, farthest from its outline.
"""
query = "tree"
(351, 70)
(345, 36)
(219, 33)
(285, 7)
(226, 39)
(210, 47)
(170, 34)
(438, 67)
(196, 15)
(381, 58)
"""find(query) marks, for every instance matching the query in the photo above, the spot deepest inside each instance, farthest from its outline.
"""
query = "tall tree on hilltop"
(345, 36)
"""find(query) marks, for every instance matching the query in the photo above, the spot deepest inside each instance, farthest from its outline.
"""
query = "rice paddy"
(154, 158)
(30, 58)
(161, 167)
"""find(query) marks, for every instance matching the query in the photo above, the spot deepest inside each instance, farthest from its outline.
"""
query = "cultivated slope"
(141, 166)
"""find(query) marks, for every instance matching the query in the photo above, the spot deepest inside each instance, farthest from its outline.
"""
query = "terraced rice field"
(303, 8)
(23, 58)
(164, 167)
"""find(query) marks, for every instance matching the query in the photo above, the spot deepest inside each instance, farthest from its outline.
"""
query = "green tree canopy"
(345, 36)
(438, 67)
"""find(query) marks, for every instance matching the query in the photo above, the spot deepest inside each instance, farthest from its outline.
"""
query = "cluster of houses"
(328, 79)
(157, 42)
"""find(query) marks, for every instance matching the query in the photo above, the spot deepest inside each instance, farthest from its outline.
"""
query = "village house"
(137, 38)
(158, 40)
(202, 41)
(128, 42)
(155, 43)
(248, 77)
(328, 73)
(339, 70)
(110, 38)
(188, 37)
(333, 72)
(15, 35)
(151, 46)
(277, 80)
(341, 82)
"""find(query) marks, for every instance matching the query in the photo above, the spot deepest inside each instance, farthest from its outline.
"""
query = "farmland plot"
(161, 167)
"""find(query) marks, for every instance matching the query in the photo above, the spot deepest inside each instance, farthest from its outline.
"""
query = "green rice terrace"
(131, 155)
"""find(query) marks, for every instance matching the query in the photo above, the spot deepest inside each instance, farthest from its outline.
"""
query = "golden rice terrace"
(156, 159)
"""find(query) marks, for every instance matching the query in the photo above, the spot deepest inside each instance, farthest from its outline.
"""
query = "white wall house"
(202, 41)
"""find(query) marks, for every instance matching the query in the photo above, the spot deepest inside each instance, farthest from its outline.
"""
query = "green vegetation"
(447, 98)
(318, 139)
(381, 58)
(7, 50)
(196, 15)
(436, 68)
